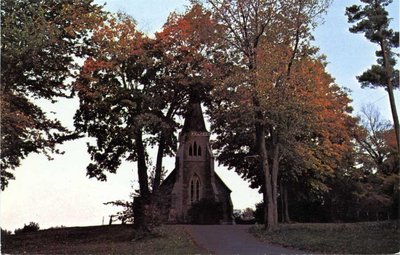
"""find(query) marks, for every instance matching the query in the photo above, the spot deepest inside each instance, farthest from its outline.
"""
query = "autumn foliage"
(279, 119)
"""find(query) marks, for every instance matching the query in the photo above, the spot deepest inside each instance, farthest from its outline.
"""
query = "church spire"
(194, 120)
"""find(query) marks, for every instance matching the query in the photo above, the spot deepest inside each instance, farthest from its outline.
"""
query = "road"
(232, 239)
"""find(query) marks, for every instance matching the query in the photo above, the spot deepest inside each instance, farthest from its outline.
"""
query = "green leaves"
(39, 42)
(372, 19)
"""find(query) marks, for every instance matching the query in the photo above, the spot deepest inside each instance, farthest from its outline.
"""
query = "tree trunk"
(139, 204)
(285, 208)
(391, 97)
(281, 198)
(269, 205)
(139, 213)
(158, 170)
(141, 165)
(275, 169)
(269, 208)
(161, 148)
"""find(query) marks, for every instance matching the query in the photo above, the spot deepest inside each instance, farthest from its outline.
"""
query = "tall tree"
(311, 120)
(373, 20)
(40, 41)
(248, 24)
(120, 105)
(113, 106)
(132, 89)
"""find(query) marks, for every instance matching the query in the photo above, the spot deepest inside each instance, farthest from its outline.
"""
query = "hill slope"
(114, 239)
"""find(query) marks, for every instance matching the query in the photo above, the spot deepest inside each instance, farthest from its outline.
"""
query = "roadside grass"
(339, 238)
(114, 239)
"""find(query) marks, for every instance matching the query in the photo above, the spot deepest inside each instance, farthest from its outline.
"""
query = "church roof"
(194, 120)
(222, 183)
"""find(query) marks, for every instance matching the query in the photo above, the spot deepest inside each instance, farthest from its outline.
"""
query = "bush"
(5, 232)
(206, 211)
(57, 227)
(31, 227)
(246, 216)
(259, 213)
(245, 222)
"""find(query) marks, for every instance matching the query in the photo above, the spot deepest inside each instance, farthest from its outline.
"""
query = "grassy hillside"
(339, 238)
(115, 239)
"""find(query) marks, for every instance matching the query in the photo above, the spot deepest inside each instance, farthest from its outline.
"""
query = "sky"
(58, 192)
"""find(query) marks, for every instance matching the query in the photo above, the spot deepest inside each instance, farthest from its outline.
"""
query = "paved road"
(232, 239)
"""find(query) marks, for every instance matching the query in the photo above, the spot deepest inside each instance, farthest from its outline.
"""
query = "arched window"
(195, 149)
(197, 185)
(199, 151)
(190, 150)
(195, 189)
(191, 191)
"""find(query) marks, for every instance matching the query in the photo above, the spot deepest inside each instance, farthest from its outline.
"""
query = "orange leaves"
(92, 65)
(186, 47)
(117, 38)
(303, 103)
(189, 30)
(12, 117)
(390, 138)
(115, 42)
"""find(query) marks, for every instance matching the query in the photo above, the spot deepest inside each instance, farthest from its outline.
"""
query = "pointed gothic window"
(195, 149)
(190, 150)
(191, 192)
(195, 189)
(199, 151)
(197, 184)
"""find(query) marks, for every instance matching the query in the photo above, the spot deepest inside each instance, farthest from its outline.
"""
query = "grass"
(342, 238)
(115, 239)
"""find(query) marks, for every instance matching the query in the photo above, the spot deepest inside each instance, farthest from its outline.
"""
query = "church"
(193, 191)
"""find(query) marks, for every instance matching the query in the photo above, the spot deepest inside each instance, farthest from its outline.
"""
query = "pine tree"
(373, 20)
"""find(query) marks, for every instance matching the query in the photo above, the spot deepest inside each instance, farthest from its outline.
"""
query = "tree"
(40, 41)
(372, 20)
(131, 90)
(365, 185)
(122, 106)
(31, 227)
(119, 104)
(250, 26)
(376, 142)
(312, 121)
(377, 159)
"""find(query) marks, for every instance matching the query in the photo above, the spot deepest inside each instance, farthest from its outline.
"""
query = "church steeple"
(194, 178)
(194, 120)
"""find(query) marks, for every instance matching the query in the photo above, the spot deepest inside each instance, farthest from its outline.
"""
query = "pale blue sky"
(350, 54)
(58, 192)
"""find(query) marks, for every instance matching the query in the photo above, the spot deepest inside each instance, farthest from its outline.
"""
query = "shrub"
(206, 211)
(126, 214)
(31, 227)
(246, 216)
(259, 213)
(5, 232)
(57, 227)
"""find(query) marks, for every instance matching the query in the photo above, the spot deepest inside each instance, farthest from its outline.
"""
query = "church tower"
(194, 179)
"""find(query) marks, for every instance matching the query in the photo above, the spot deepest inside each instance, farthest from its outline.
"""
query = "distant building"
(193, 183)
